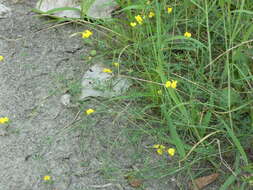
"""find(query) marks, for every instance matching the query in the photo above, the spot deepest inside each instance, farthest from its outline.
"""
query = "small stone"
(65, 99)
(5, 12)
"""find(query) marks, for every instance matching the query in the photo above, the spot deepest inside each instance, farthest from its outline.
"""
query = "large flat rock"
(99, 9)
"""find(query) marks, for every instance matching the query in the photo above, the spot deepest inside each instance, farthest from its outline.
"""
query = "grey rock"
(102, 9)
(96, 83)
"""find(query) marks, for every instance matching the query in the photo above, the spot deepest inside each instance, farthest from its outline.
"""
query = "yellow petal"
(187, 34)
(168, 84)
(116, 64)
(174, 84)
(151, 14)
(169, 9)
(139, 19)
(159, 151)
(4, 120)
(90, 111)
(106, 70)
(86, 34)
(133, 24)
(171, 151)
(156, 146)
(47, 178)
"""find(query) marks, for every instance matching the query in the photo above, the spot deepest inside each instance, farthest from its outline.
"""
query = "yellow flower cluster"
(139, 19)
(86, 33)
(4, 120)
(1, 58)
(89, 111)
(171, 84)
(160, 149)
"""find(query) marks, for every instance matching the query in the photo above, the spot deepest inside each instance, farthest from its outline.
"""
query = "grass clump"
(192, 64)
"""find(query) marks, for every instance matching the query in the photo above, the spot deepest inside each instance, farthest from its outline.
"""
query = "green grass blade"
(236, 142)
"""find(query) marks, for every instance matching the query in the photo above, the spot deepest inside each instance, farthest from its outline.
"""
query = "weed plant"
(191, 62)
(206, 46)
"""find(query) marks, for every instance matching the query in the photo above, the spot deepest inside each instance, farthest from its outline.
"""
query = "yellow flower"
(159, 151)
(86, 34)
(174, 84)
(159, 92)
(151, 14)
(159, 148)
(156, 146)
(171, 151)
(106, 70)
(171, 84)
(187, 34)
(115, 64)
(4, 120)
(1, 58)
(47, 178)
(139, 19)
(133, 24)
(169, 9)
(168, 84)
(90, 111)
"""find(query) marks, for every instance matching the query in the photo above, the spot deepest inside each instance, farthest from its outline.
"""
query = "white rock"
(5, 12)
(96, 83)
(100, 9)
(46, 5)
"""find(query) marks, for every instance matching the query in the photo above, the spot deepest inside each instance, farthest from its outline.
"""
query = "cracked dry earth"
(34, 144)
